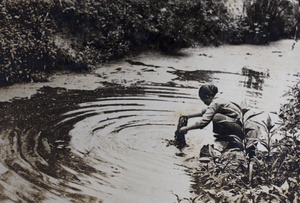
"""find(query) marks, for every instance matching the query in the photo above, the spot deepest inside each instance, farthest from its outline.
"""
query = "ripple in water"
(108, 144)
(89, 146)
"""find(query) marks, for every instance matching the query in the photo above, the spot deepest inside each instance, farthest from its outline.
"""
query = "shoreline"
(232, 58)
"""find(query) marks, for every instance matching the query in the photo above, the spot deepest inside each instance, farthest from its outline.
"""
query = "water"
(110, 144)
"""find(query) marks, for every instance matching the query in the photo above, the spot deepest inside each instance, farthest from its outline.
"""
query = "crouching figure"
(223, 113)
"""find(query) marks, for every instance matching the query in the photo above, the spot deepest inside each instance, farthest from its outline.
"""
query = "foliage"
(246, 143)
(39, 36)
(269, 20)
(290, 112)
(270, 175)
(116, 26)
(25, 45)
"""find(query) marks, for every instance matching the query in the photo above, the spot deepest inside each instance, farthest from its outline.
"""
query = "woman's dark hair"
(207, 90)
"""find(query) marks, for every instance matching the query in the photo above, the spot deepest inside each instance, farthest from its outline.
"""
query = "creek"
(103, 137)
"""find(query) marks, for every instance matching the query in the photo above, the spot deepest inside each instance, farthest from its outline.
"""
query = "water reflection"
(254, 79)
(197, 75)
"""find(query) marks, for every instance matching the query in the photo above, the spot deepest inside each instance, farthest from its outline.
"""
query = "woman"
(221, 112)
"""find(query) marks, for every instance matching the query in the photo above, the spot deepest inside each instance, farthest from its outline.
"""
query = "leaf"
(250, 171)
(284, 186)
(238, 140)
(265, 126)
(274, 164)
(244, 111)
(269, 124)
(244, 105)
(253, 115)
(253, 143)
(236, 137)
(247, 130)
(265, 144)
(238, 106)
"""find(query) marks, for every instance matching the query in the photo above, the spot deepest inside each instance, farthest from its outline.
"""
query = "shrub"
(268, 20)
(290, 112)
(39, 36)
(26, 47)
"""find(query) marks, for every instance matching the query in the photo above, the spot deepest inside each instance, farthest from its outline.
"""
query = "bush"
(269, 20)
(26, 48)
(40, 36)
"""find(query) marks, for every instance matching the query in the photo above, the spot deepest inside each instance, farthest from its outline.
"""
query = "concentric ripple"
(109, 144)
(90, 146)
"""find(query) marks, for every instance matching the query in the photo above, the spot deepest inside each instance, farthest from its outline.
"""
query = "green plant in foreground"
(281, 159)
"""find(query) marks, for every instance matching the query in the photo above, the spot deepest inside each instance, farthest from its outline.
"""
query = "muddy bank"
(103, 136)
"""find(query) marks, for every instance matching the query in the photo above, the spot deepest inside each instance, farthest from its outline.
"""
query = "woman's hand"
(183, 129)
(184, 117)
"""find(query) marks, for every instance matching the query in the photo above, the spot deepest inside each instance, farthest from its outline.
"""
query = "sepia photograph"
(149, 101)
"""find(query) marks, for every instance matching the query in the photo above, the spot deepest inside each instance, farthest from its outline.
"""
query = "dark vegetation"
(39, 36)
(269, 175)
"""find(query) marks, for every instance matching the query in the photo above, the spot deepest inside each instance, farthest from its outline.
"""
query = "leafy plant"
(290, 112)
(26, 47)
(268, 20)
(270, 132)
(245, 142)
(270, 175)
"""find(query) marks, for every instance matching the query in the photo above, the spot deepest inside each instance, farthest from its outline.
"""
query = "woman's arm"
(206, 117)
(196, 114)
(187, 128)
(194, 126)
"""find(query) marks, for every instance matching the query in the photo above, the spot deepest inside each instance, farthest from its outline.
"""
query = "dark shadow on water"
(175, 53)
(202, 76)
(254, 79)
(197, 75)
(38, 140)
(35, 133)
